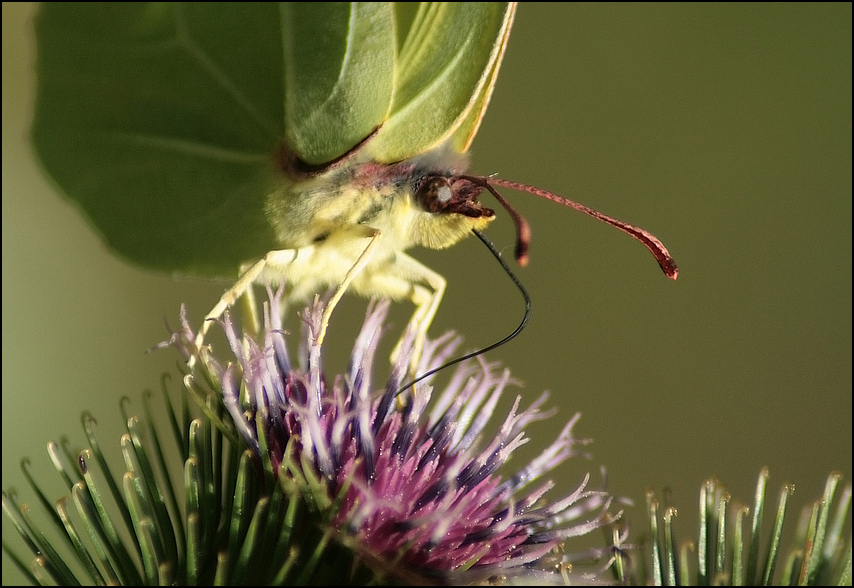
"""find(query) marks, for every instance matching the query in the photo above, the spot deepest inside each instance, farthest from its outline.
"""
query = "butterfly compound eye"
(434, 194)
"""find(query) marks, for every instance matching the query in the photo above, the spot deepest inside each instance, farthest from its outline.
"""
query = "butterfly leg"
(427, 289)
(279, 266)
(243, 285)
(354, 271)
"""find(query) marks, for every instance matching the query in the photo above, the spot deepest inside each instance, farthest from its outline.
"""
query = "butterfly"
(302, 137)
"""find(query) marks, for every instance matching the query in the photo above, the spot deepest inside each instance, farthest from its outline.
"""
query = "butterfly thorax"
(331, 216)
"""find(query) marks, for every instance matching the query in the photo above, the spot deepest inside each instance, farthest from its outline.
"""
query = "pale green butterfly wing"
(447, 69)
(467, 129)
(158, 120)
(339, 74)
(162, 121)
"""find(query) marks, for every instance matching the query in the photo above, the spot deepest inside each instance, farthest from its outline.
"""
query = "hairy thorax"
(329, 218)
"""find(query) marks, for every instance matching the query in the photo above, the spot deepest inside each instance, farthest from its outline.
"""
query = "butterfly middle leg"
(403, 277)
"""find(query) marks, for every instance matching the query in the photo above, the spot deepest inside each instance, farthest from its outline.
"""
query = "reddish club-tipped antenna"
(523, 230)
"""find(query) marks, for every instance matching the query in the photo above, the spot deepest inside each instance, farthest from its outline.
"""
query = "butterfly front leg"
(249, 275)
(300, 267)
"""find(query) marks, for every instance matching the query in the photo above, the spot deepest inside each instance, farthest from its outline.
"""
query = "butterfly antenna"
(650, 241)
(525, 318)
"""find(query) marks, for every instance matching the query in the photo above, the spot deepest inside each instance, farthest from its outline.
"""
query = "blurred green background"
(723, 129)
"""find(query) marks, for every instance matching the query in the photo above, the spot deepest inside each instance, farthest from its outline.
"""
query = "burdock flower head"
(404, 479)
(288, 477)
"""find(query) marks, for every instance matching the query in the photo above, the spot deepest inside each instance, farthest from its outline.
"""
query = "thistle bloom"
(408, 485)
(288, 479)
